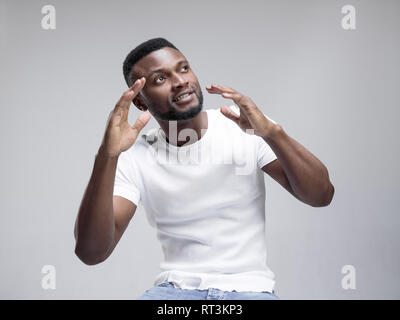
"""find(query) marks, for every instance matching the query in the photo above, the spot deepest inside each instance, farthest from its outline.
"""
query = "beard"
(175, 114)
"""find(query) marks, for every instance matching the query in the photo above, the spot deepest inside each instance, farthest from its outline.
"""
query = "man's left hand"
(250, 116)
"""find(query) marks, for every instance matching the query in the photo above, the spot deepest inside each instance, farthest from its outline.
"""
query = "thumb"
(227, 112)
(141, 121)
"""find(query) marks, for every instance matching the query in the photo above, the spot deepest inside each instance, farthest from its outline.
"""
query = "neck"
(197, 125)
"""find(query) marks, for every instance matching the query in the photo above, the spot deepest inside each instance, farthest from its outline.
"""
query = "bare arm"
(95, 227)
(102, 217)
(300, 172)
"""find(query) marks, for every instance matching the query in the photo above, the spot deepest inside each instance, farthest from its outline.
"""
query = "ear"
(138, 102)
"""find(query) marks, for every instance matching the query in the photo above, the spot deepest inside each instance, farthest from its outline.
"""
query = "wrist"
(274, 131)
(103, 154)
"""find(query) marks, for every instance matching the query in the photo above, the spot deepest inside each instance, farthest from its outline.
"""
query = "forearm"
(307, 175)
(95, 226)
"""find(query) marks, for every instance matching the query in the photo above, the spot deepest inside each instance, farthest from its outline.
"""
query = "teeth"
(182, 96)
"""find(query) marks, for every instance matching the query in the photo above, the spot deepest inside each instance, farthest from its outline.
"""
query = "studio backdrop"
(327, 71)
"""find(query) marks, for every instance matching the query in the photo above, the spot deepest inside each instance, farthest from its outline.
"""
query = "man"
(200, 178)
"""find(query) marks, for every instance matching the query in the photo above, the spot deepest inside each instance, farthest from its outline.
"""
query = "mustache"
(174, 114)
(190, 89)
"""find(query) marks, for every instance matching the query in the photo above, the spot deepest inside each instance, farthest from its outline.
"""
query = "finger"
(220, 89)
(227, 112)
(125, 101)
(238, 98)
(233, 96)
(138, 85)
(243, 102)
(132, 92)
(211, 90)
(225, 89)
(141, 121)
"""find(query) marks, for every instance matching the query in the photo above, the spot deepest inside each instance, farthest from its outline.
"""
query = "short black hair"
(141, 51)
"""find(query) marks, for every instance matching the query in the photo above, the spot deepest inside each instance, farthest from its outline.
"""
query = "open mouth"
(183, 98)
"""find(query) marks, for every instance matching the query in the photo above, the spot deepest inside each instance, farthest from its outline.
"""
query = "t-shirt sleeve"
(126, 179)
(265, 153)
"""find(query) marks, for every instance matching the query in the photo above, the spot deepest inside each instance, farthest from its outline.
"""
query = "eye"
(159, 77)
(186, 66)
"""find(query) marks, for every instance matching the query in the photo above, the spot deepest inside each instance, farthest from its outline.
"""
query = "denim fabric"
(167, 291)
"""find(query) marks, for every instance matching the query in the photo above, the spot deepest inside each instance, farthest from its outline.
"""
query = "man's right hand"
(119, 135)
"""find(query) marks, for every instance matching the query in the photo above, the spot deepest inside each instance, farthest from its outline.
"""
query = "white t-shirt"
(207, 202)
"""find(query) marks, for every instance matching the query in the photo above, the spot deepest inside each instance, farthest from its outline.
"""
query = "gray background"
(334, 91)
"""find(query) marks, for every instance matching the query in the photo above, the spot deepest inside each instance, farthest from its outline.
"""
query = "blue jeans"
(167, 291)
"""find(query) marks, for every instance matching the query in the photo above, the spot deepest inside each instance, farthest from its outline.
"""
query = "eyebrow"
(162, 70)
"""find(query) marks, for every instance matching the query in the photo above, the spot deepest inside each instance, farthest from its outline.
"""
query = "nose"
(178, 81)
